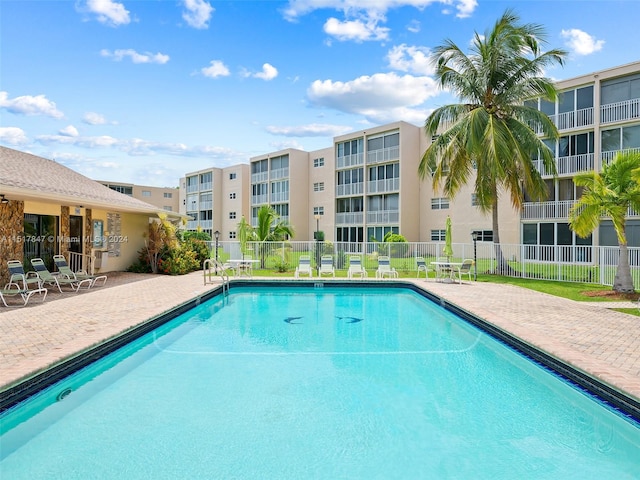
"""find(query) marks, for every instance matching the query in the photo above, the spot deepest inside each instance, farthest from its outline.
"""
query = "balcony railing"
(383, 216)
(547, 210)
(381, 186)
(206, 186)
(607, 157)
(279, 173)
(350, 218)
(206, 205)
(259, 177)
(350, 189)
(383, 155)
(258, 199)
(619, 111)
(280, 197)
(573, 119)
(192, 188)
(350, 160)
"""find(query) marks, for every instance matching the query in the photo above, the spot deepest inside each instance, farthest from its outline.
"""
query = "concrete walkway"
(601, 342)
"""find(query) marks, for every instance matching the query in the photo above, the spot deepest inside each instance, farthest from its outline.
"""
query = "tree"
(491, 132)
(610, 194)
(268, 229)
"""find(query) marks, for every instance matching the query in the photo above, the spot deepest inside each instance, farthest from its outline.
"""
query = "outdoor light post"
(217, 235)
(316, 236)
(474, 236)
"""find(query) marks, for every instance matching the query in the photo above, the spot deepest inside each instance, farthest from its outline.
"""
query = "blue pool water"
(323, 384)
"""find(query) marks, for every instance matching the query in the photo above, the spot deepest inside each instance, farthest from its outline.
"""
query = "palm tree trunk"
(502, 267)
(623, 283)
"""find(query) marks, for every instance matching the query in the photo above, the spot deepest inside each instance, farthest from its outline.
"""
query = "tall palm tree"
(610, 194)
(491, 131)
(269, 229)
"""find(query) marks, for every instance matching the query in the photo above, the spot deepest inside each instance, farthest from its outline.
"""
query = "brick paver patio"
(601, 342)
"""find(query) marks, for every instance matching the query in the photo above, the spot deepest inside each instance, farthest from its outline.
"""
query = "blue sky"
(145, 91)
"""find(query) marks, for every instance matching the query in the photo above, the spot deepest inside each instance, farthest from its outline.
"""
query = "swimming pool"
(327, 383)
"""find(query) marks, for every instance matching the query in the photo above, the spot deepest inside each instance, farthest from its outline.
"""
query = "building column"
(11, 236)
(65, 231)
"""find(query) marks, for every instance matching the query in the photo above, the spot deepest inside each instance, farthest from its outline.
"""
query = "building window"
(318, 210)
(168, 208)
(232, 176)
(437, 235)
(318, 162)
(122, 189)
(484, 235)
(232, 215)
(232, 196)
(439, 203)
(146, 193)
(318, 187)
(474, 200)
(232, 235)
(168, 195)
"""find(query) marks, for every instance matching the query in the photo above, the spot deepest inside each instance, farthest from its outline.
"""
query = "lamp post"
(217, 235)
(316, 236)
(474, 236)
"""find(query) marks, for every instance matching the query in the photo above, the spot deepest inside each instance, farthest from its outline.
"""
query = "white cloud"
(13, 136)
(69, 131)
(465, 8)
(359, 30)
(109, 12)
(92, 118)
(136, 57)
(311, 130)
(581, 42)
(197, 13)
(381, 98)
(215, 69)
(30, 105)
(414, 26)
(410, 59)
(269, 72)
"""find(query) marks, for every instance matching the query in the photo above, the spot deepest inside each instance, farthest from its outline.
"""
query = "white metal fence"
(568, 263)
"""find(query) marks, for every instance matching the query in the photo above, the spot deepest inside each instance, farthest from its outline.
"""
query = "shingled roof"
(28, 177)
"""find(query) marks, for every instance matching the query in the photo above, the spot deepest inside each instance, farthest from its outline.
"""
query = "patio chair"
(422, 267)
(58, 280)
(24, 295)
(326, 266)
(304, 266)
(21, 279)
(384, 268)
(465, 269)
(355, 268)
(64, 269)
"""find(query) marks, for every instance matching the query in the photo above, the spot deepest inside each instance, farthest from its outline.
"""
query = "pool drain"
(63, 394)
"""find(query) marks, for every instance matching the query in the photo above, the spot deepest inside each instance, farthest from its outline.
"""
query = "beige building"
(366, 183)
(162, 197)
(48, 209)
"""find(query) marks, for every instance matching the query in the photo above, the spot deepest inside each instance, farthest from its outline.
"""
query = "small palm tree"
(610, 194)
(268, 229)
(490, 132)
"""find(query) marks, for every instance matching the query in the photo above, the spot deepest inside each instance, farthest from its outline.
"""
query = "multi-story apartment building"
(366, 184)
(597, 116)
(216, 199)
(165, 198)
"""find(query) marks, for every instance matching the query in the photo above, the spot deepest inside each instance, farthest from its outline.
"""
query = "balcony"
(192, 188)
(259, 177)
(573, 119)
(350, 160)
(279, 173)
(350, 218)
(348, 189)
(383, 155)
(280, 197)
(383, 216)
(206, 206)
(382, 186)
(607, 157)
(620, 111)
(258, 199)
(547, 210)
(204, 186)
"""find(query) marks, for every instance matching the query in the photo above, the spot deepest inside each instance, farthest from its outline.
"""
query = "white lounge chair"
(64, 269)
(422, 266)
(384, 268)
(464, 269)
(58, 280)
(304, 266)
(21, 279)
(355, 268)
(326, 266)
(24, 295)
